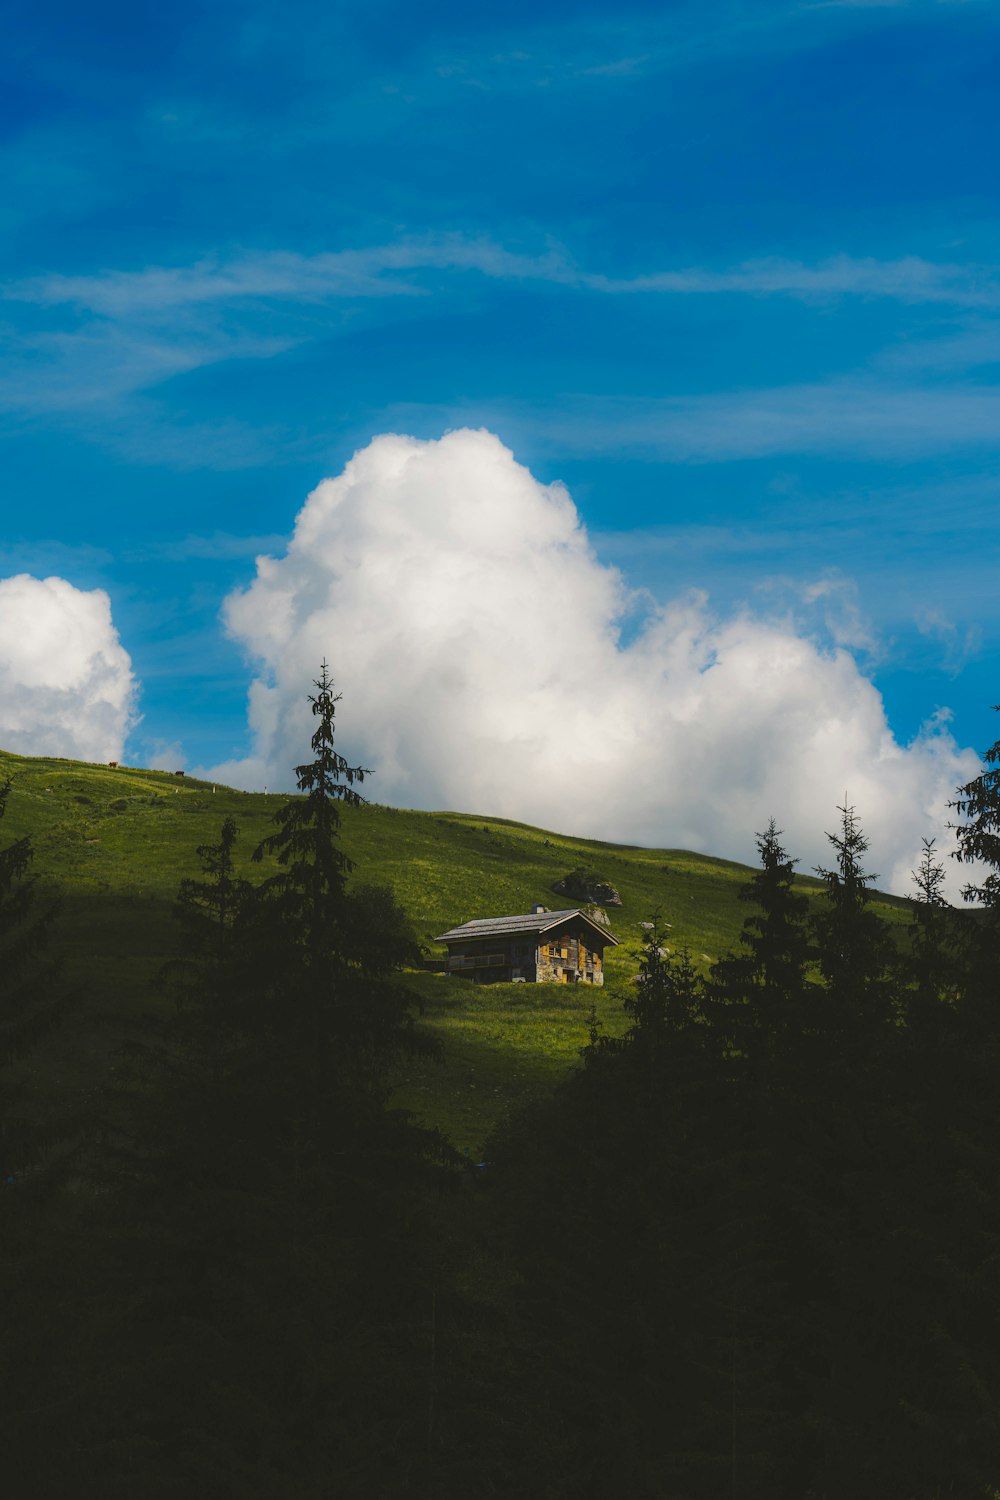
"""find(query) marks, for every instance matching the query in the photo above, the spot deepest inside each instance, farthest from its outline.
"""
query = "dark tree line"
(250, 1244)
(761, 1229)
(749, 1250)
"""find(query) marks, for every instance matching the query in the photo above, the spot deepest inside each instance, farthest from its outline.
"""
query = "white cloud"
(66, 684)
(474, 635)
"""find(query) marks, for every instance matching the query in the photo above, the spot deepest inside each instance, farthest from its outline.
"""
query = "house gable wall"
(571, 953)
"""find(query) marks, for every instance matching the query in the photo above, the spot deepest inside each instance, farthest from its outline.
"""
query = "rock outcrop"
(586, 885)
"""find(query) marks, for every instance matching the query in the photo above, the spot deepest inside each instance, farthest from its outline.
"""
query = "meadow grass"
(113, 844)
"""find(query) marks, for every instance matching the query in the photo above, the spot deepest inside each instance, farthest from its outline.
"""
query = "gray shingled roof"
(534, 921)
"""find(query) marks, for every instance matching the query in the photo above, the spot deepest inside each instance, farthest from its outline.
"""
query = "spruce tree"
(759, 997)
(761, 1004)
(854, 951)
(978, 802)
(210, 979)
(856, 1148)
(329, 953)
(933, 957)
(171, 1096)
(307, 840)
(972, 1100)
(666, 998)
(978, 843)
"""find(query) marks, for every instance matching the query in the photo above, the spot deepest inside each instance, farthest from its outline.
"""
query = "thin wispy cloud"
(92, 366)
(87, 344)
(808, 523)
(845, 621)
(219, 546)
(682, 36)
(46, 556)
(381, 271)
(959, 644)
(144, 432)
(971, 345)
(885, 4)
(926, 592)
(909, 279)
(851, 418)
(287, 276)
(857, 5)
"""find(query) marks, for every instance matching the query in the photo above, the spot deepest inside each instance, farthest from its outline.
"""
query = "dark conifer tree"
(618, 1193)
(666, 1000)
(978, 843)
(330, 953)
(762, 1005)
(978, 802)
(863, 1190)
(171, 1106)
(258, 1262)
(927, 1247)
(854, 953)
(933, 961)
(307, 839)
(967, 1096)
(210, 978)
(760, 998)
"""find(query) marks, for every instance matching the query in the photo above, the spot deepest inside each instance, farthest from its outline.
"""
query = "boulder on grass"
(587, 886)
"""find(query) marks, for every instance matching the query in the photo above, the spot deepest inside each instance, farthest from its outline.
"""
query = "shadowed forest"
(748, 1249)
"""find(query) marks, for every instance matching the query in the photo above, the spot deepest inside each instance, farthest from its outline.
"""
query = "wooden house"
(541, 947)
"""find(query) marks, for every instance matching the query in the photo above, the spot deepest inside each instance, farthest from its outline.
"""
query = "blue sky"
(728, 271)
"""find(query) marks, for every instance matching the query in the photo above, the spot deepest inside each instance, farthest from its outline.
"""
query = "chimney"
(537, 910)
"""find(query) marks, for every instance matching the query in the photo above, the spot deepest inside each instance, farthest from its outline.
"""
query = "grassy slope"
(116, 843)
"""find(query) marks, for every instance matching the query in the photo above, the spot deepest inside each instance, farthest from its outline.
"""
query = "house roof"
(535, 921)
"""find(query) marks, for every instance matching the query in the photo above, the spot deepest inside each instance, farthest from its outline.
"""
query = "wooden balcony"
(459, 962)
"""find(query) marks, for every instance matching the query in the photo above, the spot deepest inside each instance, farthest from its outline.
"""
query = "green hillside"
(114, 843)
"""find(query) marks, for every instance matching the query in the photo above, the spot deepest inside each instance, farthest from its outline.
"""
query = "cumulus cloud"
(66, 684)
(476, 638)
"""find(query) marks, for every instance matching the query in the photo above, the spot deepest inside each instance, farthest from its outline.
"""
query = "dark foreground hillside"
(746, 1247)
